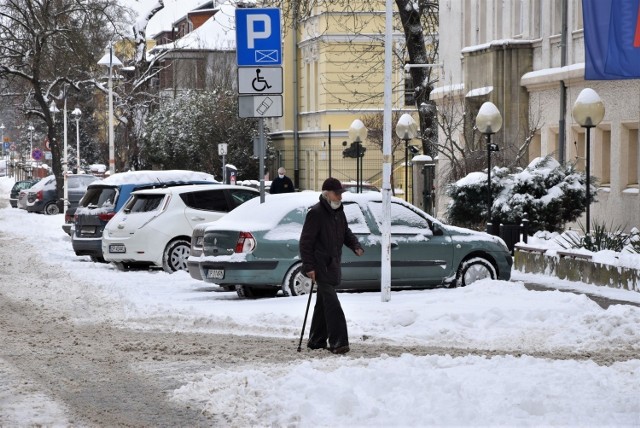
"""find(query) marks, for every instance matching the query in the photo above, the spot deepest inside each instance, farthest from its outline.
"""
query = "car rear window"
(208, 200)
(143, 203)
(240, 196)
(99, 196)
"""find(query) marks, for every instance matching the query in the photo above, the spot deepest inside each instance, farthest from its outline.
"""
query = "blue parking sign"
(258, 37)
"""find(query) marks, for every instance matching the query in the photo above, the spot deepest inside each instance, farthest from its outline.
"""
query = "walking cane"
(305, 317)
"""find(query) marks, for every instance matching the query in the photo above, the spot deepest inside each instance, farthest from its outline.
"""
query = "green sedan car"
(254, 248)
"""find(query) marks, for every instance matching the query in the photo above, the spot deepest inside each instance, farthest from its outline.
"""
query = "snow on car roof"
(252, 215)
(190, 188)
(142, 177)
(45, 182)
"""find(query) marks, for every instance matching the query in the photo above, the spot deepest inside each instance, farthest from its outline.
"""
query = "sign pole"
(261, 153)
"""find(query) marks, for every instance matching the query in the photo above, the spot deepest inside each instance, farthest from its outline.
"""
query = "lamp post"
(406, 130)
(2, 127)
(76, 113)
(31, 129)
(110, 60)
(588, 111)
(54, 109)
(357, 133)
(488, 122)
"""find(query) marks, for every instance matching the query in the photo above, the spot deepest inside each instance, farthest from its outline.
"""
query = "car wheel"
(176, 255)
(245, 292)
(51, 209)
(295, 282)
(474, 269)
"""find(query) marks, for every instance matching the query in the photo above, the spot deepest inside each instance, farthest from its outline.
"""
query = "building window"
(518, 17)
(632, 158)
(577, 20)
(577, 152)
(535, 13)
(307, 87)
(603, 159)
(535, 149)
(466, 15)
(556, 18)
(409, 99)
(553, 144)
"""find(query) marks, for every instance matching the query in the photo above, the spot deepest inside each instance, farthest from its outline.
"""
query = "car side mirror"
(437, 230)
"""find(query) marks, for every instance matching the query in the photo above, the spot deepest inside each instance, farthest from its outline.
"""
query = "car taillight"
(67, 217)
(106, 216)
(246, 243)
(39, 195)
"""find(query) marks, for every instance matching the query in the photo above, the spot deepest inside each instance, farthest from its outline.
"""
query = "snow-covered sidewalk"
(384, 391)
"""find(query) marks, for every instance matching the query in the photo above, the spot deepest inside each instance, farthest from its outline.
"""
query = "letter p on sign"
(258, 27)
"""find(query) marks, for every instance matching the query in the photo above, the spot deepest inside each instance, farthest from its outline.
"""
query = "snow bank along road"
(61, 371)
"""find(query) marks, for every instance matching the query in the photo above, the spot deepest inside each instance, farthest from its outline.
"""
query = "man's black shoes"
(340, 349)
(311, 345)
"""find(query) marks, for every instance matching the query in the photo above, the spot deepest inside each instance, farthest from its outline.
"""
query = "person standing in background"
(282, 183)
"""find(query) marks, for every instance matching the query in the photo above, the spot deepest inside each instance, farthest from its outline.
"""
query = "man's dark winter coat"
(281, 185)
(324, 233)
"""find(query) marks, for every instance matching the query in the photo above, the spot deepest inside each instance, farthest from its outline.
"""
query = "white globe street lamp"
(488, 122)
(357, 133)
(406, 130)
(588, 111)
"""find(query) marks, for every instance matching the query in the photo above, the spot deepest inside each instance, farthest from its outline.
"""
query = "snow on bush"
(547, 193)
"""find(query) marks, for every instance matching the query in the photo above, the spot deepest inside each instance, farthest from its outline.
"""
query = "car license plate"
(117, 248)
(87, 230)
(215, 274)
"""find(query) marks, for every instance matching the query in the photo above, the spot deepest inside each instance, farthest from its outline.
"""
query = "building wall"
(333, 74)
(614, 143)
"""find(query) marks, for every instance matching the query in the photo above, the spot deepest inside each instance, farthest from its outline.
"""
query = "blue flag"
(611, 39)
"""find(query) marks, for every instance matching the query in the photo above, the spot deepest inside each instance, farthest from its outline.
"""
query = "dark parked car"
(104, 199)
(17, 187)
(254, 249)
(42, 197)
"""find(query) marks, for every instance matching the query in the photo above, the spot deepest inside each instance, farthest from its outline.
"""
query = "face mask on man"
(281, 175)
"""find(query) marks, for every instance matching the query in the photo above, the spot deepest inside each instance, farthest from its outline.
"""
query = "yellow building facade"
(333, 67)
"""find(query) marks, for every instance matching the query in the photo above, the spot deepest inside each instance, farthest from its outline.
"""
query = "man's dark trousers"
(328, 313)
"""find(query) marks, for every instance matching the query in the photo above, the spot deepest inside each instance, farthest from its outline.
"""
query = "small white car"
(154, 226)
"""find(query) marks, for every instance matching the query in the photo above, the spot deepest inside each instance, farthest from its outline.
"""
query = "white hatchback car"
(154, 226)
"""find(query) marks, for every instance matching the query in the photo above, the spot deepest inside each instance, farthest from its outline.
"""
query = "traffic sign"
(260, 106)
(222, 149)
(260, 80)
(36, 154)
(47, 143)
(258, 37)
